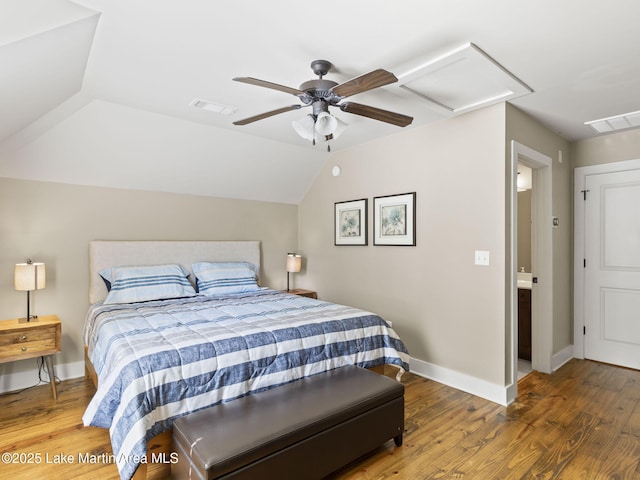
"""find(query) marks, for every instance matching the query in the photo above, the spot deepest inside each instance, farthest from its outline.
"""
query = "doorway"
(541, 264)
(524, 277)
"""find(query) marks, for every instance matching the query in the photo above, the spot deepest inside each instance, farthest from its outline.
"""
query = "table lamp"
(27, 277)
(294, 263)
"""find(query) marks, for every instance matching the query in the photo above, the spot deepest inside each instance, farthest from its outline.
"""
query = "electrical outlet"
(482, 257)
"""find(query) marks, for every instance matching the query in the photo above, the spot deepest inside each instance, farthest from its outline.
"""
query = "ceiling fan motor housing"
(319, 89)
(315, 89)
(321, 67)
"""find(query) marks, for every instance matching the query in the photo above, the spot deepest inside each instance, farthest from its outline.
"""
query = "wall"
(53, 223)
(525, 130)
(524, 230)
(449, 312)
(613, 147)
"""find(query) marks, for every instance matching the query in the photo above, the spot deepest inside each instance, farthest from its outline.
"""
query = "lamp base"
(30, 319)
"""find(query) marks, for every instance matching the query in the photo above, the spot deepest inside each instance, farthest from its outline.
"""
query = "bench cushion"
(226, 437)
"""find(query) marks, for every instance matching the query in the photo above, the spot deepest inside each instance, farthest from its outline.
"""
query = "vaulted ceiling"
(99, 92)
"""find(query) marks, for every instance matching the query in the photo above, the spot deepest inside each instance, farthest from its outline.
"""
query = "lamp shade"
(304, 127)
(29, 276)
(294, 262)
(326, 124)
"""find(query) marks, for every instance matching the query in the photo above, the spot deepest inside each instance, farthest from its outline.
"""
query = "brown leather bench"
(304, 429)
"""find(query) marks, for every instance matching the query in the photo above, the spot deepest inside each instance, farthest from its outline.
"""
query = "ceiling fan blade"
(255, 118)
(376, 113)
(273, 86)
(368, 81)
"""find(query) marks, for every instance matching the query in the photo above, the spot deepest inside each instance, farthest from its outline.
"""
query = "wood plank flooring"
(582, 422)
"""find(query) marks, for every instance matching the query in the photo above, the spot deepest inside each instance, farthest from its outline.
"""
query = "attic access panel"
(462, 80)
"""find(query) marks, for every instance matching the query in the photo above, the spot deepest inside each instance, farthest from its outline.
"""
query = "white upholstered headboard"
(107, 253)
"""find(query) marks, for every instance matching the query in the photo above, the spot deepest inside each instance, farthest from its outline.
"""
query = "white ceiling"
(62, 63)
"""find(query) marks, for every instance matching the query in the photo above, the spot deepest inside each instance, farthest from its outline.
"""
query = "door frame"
(541, 264)
(580, 175)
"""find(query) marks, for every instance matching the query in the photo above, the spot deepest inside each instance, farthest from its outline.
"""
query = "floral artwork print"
(350, 223)
(394, 220)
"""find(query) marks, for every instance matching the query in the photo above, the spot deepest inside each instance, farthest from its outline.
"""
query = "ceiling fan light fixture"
(322, 128)
(326, 124)
(305, 127)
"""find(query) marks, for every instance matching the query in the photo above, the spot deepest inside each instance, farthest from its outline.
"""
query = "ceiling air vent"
(617, 122)
(213, 107)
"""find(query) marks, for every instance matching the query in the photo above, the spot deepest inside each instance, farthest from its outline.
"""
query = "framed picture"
(351, 222)
(394, 219)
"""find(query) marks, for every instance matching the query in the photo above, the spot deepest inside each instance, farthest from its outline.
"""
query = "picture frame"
(350, 222)
(394, 220)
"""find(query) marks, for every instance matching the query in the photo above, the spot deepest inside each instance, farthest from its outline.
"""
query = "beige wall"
(448, 311)
(524, 230)
(53, 223)
(525, 130)
(614, 147)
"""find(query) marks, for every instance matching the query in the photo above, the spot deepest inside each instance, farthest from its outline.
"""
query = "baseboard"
(460, 381)
(10, 382)
(13, 381)
(562, 357)
(502, 395)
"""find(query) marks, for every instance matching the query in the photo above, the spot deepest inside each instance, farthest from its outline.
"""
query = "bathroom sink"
(524, 280)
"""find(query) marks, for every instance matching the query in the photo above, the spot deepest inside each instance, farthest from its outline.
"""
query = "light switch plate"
(482, 257)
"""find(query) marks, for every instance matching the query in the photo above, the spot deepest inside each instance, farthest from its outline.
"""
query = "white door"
(612, 269)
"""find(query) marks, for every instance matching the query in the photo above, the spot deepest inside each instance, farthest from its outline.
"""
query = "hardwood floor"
(582, 422)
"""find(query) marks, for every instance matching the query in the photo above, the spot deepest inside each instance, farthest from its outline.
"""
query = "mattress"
(159, 360)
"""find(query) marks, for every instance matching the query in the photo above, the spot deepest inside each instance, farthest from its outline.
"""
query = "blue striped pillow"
(144, 283)
(221, 278)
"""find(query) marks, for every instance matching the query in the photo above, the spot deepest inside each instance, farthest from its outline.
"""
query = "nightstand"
(39, 338)
(302, 292)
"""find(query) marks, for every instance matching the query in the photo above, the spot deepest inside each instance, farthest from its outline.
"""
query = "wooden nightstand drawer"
(32, 341)
(41, 337)
(37, 338)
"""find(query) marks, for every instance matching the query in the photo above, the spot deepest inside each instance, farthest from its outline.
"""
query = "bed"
(211, 335)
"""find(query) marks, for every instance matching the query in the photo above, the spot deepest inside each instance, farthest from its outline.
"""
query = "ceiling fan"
(320, 94)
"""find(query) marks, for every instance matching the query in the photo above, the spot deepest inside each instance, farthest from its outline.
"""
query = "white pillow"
(144, 283)
(221, 278)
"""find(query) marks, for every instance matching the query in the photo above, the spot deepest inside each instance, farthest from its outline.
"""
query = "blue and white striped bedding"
(159, 360)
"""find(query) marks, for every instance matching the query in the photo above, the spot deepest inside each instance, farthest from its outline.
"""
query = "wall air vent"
(462, 80)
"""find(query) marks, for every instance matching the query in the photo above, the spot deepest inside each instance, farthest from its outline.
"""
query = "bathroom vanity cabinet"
(524, 323)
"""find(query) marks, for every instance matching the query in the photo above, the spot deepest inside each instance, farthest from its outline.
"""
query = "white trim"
(562, 357)
(578, 262)
(579, 180)
(511, 337)
(461, 381)
(542, 332)
(13, 381)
